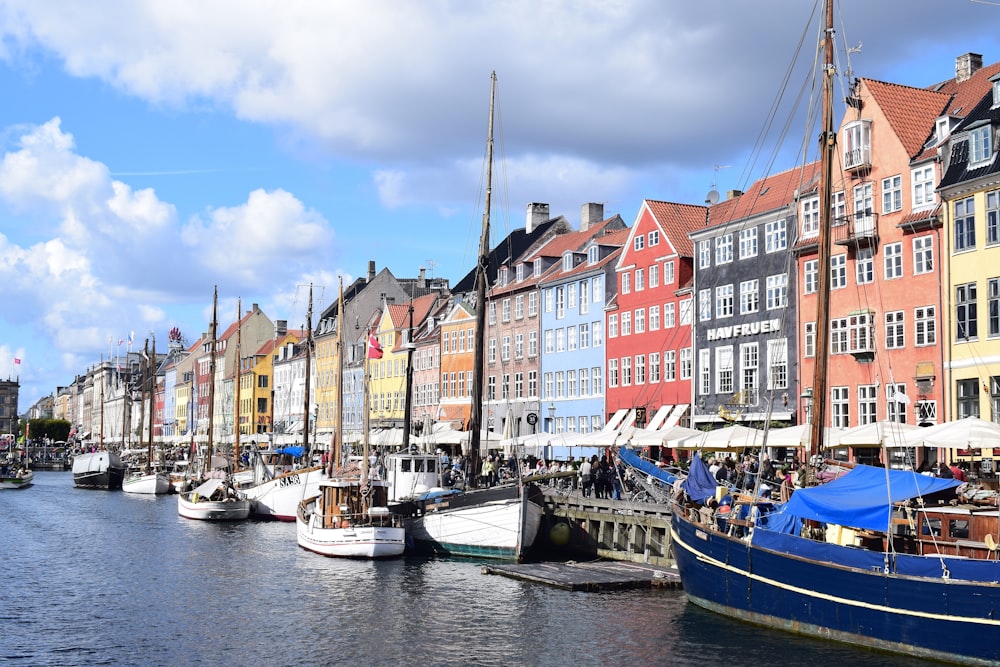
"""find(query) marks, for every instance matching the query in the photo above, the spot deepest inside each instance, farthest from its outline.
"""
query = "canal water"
(108, 578)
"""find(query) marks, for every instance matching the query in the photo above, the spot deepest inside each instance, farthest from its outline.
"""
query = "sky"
(152, 150)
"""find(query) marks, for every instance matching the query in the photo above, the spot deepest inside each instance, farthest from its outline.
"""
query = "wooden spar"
(828, 143)
(476, 413)
(335, 454)
(102, 411)
(408, 396)
(151, 362)
(306, 407)
(236, 384)
(211, 376)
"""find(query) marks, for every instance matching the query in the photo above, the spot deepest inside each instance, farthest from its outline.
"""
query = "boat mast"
(102, 410)
(305, 409)
(151, 362)
(408, 397)
(339, 387)
(211, 376)
(236, 384)
(828, 144)
(476, 415)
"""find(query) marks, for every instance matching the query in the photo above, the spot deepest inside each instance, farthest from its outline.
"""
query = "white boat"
(278, 496)
(16, 478)
(213, 500)
(98, 470)
(499, 522)
(153, 483)
(350, 520)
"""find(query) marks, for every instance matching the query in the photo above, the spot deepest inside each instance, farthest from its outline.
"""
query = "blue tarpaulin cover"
(863, 497)
(699, 485)
(294, 451)
(633, 460)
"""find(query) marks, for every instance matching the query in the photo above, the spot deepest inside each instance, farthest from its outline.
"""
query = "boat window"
(418, 465)
(404, 465)
(432, 465)
(958, 529)
(931, 527)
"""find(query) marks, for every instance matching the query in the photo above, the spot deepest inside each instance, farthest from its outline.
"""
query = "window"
(965, 224)
(777, 291)
(626, 282)
(923, 254)
(867, 404)
(584, 298)
(532, 343)
(864, 266)
(639, 242)
(560, 302)
(668, 274)
(505, 310)
(532, 383)
(864, 221)
(491, 353)
(505, 348)
(748, 242)
(810, 280)
(560, 384)
(724, 301)
(626, 371)
(654, 318)
(571, 292)
(924, 326)
(519, 346)
(640, 369)
(532, 304)
(965, 312)
(654, 276)
(670, 364)
(775, 238)
(536, 268)
(596, 333)
(893, 261)
(571, 384)
(550, 300)
(838, 271)
(597, 380)
(597, 285)
(841, 416)
(626, 329)
(640, 320)
(550, 341)
(704, 254)
(612, 326)
(560, 340)
(967, 392)
(810, 217)
(894, 330)
(896, 402)
(749, 296)
(640, 280)
(668, 316)
(584, 336)
(892, 194)
(704, 305)
(923, 187)
(492, 313)
(809, 339)
(704, 372)
(777, 363)
(584, 382)
(851, 334)
(724, 370)
(857, 144)
(654, 367)
(993, 306)
(593, 255)
(724, 249)
(838, 208)
(518, 385)
(653, 238)
(519, 306)
(685, 312)
(520, 272)
(749, 365)
(993, 217)
(612, 372)
(980, 146)
(685, 363)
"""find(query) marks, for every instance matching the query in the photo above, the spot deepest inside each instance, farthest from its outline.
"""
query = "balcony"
(857, 159)
(858, 230)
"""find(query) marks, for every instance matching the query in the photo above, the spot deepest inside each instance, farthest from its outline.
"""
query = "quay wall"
(601, 528)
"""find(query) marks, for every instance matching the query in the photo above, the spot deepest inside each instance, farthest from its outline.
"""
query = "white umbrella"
(968, 433)
(799, 436)
(660, 437)
(731, 438)
(875, 434)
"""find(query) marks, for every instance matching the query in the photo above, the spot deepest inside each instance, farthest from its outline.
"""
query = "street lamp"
(807, 401)
(552, 417)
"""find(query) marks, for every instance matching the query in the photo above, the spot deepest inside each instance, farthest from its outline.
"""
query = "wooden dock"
(590, 576)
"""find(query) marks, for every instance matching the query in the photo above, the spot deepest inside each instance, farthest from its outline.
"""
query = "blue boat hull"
(844, 593)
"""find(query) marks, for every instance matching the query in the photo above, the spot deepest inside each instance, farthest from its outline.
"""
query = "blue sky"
(151, 150)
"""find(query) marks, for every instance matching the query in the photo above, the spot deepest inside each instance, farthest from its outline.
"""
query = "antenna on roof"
(713, 195)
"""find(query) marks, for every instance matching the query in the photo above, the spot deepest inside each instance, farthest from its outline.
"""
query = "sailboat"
(878, 558)
(100, 469)
(350, 517)
(500, 522)
(274, 492)
(215, 499)
(145, 478)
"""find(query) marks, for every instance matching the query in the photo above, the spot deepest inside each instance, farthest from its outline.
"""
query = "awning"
(616, 419)
(675, 415)
(661, 415)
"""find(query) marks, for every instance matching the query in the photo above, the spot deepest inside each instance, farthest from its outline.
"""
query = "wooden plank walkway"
(590, 576)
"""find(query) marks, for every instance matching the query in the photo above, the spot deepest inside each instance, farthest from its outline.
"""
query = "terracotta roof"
(911, 112)
(575, 240)
(677, 220)
(767, 194)
(967, 93)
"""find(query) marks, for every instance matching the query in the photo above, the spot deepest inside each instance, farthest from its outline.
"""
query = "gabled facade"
(651, 272)
(457, 354)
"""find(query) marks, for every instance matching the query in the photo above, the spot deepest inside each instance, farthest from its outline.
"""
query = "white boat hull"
(17, 481)
(151, 484)
(360, 542)
(497, 529)
(279, 498)
(212, 510)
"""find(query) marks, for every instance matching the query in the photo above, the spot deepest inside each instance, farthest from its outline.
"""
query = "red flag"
(374, 349)
(17, 361)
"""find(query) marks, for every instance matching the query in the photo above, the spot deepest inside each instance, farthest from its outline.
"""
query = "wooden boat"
(144, 478)
(15, 477)
(98, 470)
(876, 557)
(350, 516)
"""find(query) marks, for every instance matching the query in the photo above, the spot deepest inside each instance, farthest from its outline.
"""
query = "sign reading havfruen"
(751, 329)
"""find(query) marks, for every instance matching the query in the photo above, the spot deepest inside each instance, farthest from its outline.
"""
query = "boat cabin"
(412, 473)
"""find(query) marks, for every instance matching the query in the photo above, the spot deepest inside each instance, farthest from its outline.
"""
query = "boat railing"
(376, 516)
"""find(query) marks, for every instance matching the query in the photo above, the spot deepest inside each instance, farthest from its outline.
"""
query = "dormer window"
(592, 254)
(536, 269)
(503, 276)
(995, 80)
(980, 144)
(520, 272)
(942, 128)
(567, 262)
(857, 144)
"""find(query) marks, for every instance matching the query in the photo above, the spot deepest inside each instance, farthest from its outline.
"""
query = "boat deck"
(590, 576)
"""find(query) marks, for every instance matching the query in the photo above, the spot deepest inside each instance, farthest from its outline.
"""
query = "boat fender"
(194, 497)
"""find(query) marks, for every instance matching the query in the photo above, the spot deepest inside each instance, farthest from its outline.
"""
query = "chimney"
(371, 270)
(537, 214)
(967, 65)
(591, 214)
(422, 280)
(733, 194)
(280, 327)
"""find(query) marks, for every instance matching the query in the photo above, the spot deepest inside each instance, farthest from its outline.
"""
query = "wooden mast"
(101, 437)
(306, 408)
(211, 376)
(236, 384)
(828, 144)
(476, 413)
(151, 361)
(335, 454)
